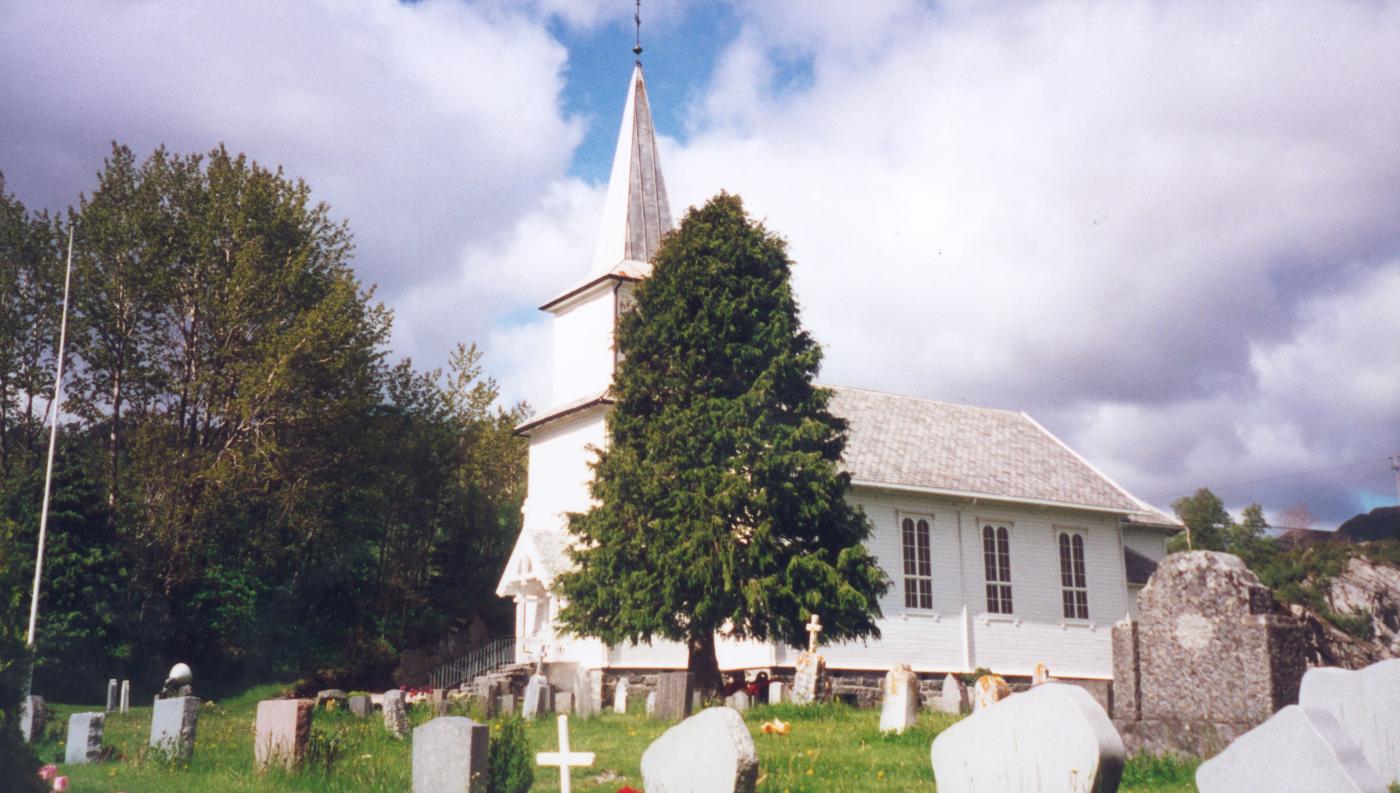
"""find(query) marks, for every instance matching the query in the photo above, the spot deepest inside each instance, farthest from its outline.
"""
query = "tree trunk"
(704, 665)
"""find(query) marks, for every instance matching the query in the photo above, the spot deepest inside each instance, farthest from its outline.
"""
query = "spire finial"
(637, 45)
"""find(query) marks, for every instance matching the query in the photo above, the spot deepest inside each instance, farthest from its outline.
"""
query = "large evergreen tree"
(720, 506)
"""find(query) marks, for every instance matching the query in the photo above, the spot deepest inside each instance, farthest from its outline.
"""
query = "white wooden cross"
(814, 626)
(563, 758)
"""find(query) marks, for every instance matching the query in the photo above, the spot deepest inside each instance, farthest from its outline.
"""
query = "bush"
(510, 768)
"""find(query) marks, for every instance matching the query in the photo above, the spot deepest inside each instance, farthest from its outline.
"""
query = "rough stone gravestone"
(1209, 657)
(281, 732)
(808, 682)
(395, 713)
(620, 695)
(989, 690)
(1040, 675)
(125, 704)
(32, 716)
(1366, 703)
(505, 704)
(537, 697)
(673, 695)
(174, 723)
(588, 695)
(113, 687)
(1052, 737)
(953, 697)
(331, 698)
(710, 751)
(775, 692)
(900, 709)
(651, 703)
(361, 705)
(739, 700)
(564, 702)
(84, 743)
(485, 690)
(449, 756)
(1295, 751)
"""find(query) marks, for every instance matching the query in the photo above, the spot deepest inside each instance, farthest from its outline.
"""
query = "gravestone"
(537, 697)
(174, 723)
(988, 691)
(486, 690)
(651, 703)
(395, 713)
(1366, 703)
(113, 689)
(32, 717)
(281, 732)
(505, 705)
(361, 705)
(953, 697)
(1295, 751)
(125, 704)
(710, 751)
(588, 694)
(739, 700)
(673, 695)
(900, 709)
(1052, 737)
(332, 699)
(775, 692)
(564, 702)
(84, 743)
(1209, 657)
(1040, 675)
(449, 756)
(808, 683)
(620, 695)
(437, 702)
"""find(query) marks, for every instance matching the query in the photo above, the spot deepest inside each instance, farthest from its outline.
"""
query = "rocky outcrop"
(1363, 587)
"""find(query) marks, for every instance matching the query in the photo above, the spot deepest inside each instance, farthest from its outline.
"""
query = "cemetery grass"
(829, 748)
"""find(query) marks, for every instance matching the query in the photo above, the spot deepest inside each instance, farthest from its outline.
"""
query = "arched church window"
(1074, 587)
(996, 559)
(918, 564)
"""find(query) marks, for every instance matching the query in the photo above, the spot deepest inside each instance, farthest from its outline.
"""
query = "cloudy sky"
(1169, 231)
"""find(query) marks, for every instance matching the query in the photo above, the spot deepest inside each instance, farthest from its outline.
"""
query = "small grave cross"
(814, 626)
(563, 758)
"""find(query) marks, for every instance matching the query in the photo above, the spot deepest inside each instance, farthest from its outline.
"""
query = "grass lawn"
(830, 748)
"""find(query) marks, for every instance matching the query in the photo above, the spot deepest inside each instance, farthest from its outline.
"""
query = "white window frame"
(1002, 578)
(916, 576)
(1076, 583)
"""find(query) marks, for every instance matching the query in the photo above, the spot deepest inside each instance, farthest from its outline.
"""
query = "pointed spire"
(636, 213)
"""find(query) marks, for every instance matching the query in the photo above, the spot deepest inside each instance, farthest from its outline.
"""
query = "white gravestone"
(395, 713)
(1366, 702)
(449, 756)
(281, 731)
(537, 699)
(125, 704)
(808, 678)
(651, 703)
(112, 688)
(586, 703)
(710, 752)
(505, 705)
(620, 696)
(1295, 751)
(564, 702)
(900, 709)
(84, 744)
(953, 698)
(739, 700)
(174, 723)
(775, 692)
(564, 759)
(1053, 737)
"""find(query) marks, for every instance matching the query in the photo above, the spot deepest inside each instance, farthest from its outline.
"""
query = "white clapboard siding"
(1149, 542)
(583, 346)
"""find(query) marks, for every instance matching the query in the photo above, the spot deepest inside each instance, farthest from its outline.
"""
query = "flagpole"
(53, 439)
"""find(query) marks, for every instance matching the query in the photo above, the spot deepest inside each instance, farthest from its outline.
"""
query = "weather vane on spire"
(637, 45)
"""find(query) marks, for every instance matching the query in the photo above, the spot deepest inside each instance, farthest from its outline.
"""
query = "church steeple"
(637, 212)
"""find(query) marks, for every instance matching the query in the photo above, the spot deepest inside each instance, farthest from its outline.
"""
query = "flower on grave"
(48, 772)
(60, 783)
(776, 727)
(626, 789)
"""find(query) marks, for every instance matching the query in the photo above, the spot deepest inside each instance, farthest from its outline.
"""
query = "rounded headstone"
(710, 752)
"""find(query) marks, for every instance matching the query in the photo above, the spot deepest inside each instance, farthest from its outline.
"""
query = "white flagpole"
(53, 439)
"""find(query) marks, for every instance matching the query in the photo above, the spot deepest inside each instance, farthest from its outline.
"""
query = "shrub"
(509, 767)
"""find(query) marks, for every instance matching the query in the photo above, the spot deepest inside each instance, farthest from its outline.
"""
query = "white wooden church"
(1005, 547)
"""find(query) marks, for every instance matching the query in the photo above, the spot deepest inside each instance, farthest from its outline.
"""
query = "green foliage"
(1208, 523)
(1155, 772)
(720, 502)
(246, 484)
(511, 766)
(324, 748)
(970, 678)
(18, 764)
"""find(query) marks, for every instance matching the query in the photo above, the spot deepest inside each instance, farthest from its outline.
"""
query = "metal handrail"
(479, 661)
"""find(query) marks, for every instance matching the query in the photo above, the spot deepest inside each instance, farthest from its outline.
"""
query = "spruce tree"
(720, 507)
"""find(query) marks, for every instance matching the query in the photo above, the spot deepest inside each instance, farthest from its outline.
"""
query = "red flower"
(626, 789)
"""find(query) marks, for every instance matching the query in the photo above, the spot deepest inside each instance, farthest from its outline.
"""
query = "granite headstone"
(537, 697)
(1366, 703)
(84, 743)
(1294, 751)
(674, 691)
(395, 713)
(808, 682)
(362, 706)
(174, 723)
(952, 698)
(710, 752)
(450, 755)
(281, 732)
(33, 716)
